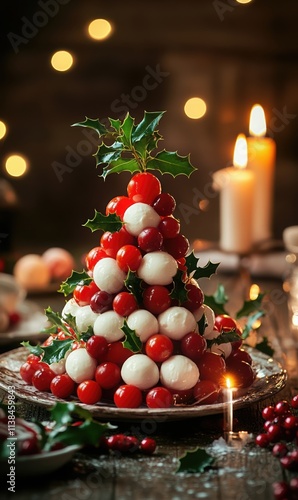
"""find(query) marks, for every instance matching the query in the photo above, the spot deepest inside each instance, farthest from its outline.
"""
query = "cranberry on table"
(262, 440)
(148, 445)
(268, 413)
(122, 443)
(282, 407)
(279, 450)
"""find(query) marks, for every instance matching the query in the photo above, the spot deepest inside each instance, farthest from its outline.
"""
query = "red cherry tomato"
(128, 258)
(156, 299)
(193, 345)
(28, 369)
(212, 367)
(128, 396)
(94, 256)
(225, 322)
(117, 353)
(97, 347)
(89, 392)
(124, 303)
(112, 242)
(159, 347)
(159, 397)
(108, 375)
(62, 386)
(143, 188)
(119, 205)
(83, 293)
(42, 378)
(206, 392)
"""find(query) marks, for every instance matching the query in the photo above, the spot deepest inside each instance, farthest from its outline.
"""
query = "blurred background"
(149, 56)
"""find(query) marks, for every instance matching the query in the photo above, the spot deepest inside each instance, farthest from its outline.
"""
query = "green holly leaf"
(223, 338)
(107, 154)
(265, 347)
(217, 300)
(127, 128)
(93, 124)
(116, 124)
(146, 145)
(205, 271)
(147, 126)
(132, 341)
(134, 285)
(110, 222)
(202, 323)
(179, 291)
(33, 349)
(121, 165)
(171, 163)
(195, 461)
(51, 353)
(70, 284)
(251, 320)
(250, 306)
(191, 262)
(56, 320)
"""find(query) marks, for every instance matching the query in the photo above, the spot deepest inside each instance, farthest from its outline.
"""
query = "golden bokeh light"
(16, 165)
(254, 291)
(3, 129)
(243, 1)
(99, 29)
(195, 108)
(62, 60)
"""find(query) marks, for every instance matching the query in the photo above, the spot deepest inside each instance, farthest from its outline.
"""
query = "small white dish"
(41, 463)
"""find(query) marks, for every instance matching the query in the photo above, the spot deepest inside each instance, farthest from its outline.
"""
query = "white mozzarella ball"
(223, 349)
(211, 335)
(141, 371)
(143, 323)
(108, 276)
(71, 307)
(175, 322)
(157, 268)
(85, 317)
(58, 367)
(139, 216)
(80, 366)
(108, 325)
(179, 373)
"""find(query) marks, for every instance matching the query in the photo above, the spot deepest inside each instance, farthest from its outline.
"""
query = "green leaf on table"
(265, 347)
(121, 165)
(217, 301)
(132, 341)
(249, 326)
(147, 125)
(134, 285)
(179, 291)
(195, 461)
(110, 222)
(171, 163)
(68, 286)
(250, 306)
(93, 124)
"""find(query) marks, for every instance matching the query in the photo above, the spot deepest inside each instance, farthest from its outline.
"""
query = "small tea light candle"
(228, 407)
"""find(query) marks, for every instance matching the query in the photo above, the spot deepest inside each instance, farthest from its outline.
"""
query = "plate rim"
(179, 412)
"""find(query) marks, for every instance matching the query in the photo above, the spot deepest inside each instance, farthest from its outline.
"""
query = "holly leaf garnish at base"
(132, 341)
(132, 147)
(217, 301)
(68, 286)
(134, 284)
(179, 291)
(197, 272)
(110, 222)
(195, 461)
(250, 306)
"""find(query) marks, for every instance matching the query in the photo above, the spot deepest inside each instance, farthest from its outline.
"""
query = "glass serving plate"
(270, 379)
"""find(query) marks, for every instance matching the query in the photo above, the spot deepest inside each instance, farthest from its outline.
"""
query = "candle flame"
(240, 152)
(257, 122)
(229, 382)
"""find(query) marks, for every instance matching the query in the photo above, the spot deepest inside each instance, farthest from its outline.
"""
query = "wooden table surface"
(246, 473)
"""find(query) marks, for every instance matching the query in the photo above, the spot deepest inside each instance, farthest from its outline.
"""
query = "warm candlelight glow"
(195, 108)
(228, 405)
(62, 60)
(240, 152)
(16, 165)
(254, 291)
(257, 122)
(99, 29)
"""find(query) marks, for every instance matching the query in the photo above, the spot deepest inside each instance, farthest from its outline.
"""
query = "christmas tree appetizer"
(136, 329)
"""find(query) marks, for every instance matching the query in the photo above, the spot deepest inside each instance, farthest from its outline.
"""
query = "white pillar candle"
(236, 185)
(261, 160)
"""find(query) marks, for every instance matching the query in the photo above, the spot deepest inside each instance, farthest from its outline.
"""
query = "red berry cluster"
(128, 444)
(281, 429)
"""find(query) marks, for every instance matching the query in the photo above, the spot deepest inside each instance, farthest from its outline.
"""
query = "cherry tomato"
(117, 353)
(83, 293)
(128, 396)
(89, 392)
(119, 205)
(143, 188)
(108, 375)
(62, 386)
(156, 299)
(195, 297)
(225, 322)
(42, 378)
(97, 347)
(94, 256)
(193, 345)
(240, 355)
(159, 397)
(212, 367)
(112, 242)
(159, 347)
(124, 303)
(128, 258)
(28, 369)
(206, 392)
